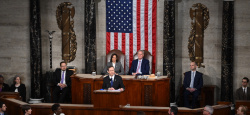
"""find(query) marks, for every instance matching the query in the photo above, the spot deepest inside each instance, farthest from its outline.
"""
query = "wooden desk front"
(151, 92)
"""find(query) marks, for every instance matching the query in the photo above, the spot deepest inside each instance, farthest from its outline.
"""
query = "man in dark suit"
(192, 83)
(62, 82)
(3, 108)
(112, 81)
(243, 93)
(140, 65)
(3, 86)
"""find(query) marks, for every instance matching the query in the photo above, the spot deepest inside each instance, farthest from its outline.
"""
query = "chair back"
(148, 56)
(121, 56)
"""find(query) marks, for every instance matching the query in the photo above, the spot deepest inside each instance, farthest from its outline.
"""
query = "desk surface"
(123, 77)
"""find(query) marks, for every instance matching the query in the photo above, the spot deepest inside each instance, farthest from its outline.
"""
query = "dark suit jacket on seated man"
(140, 65)
(62, 82)
(193, 82)
(112, 81)
(243, 93)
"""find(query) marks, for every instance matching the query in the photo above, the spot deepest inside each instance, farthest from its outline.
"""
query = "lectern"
(109, 99)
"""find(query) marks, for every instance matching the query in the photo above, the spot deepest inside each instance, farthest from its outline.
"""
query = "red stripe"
(107, 42)
(154, 18)
(123, 42)
(131, 55)
(115, 40)
(146, 25)
(138, 24)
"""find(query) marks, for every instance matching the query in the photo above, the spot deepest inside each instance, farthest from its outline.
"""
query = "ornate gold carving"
(200, 20)
(64, 17)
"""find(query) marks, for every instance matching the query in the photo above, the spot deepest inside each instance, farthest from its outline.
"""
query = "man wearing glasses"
(243, 93)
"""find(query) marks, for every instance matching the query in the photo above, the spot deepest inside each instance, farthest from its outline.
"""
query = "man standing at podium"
(112, 81)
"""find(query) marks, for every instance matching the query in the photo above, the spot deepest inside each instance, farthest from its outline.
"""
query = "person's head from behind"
(140, 54)
(111, 70)
(1, 79)
(3, 107)
(141, 113)
(26, 109)
(63, 66)
(242, 110)
(173, 110)
(245, 81)
(56, 109)
(193, 66)
(208, 110)
(17, 79)
(114, 58)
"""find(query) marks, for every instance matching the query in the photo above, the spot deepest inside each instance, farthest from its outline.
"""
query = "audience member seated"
(17, 86)
(56, 109)
(243, 93)
(119, 70)
(3, 108)
(140, 65)
(62, 82)
(242, 110)
(3, 86)
(112, 81)
(208, 110)
(173, 110)
(26, 110)
(192, 83)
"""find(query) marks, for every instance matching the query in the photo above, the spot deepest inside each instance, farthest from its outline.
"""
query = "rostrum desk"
(139, 92)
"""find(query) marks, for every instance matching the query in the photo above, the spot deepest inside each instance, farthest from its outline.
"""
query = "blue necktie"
(111, 82)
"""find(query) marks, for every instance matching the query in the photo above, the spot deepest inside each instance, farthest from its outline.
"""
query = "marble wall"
(15, 48)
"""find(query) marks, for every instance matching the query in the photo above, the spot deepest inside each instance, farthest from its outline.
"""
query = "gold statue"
(64, 17)
(200, 20)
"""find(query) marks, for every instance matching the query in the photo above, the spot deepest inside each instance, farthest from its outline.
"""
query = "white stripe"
(112, 44)
(134, 28)
(127, 53)
(120, 41)
(142, 13)
(150, 26)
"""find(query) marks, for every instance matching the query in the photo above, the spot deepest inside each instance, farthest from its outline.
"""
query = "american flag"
(131, 26)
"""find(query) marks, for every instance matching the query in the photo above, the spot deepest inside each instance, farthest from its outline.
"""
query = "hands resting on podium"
(121, 89)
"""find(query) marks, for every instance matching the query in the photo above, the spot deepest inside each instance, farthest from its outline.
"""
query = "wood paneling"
(151, 92)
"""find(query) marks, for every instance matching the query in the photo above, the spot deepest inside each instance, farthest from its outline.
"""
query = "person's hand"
(111, 88)
(192, 89)
(121, 89)
(189, 89)
(134, 74)
(64, 85)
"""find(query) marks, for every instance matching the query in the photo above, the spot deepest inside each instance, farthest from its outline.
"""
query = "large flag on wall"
(131, 26)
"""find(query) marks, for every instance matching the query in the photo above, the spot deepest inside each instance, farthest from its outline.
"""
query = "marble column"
(169, 45)
(90, 36)
(227, 57)
(35, 48)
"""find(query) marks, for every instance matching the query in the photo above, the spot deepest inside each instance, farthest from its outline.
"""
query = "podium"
(109, 98)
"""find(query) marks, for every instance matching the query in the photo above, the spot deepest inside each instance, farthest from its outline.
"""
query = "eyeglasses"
(244, 82)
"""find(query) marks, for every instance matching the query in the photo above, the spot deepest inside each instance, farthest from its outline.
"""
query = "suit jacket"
(118, 68)
(21, 90)
(57, 77)
(118, 83)
(144, 67)
(198, 80)
(5, 87)
(239, 94)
